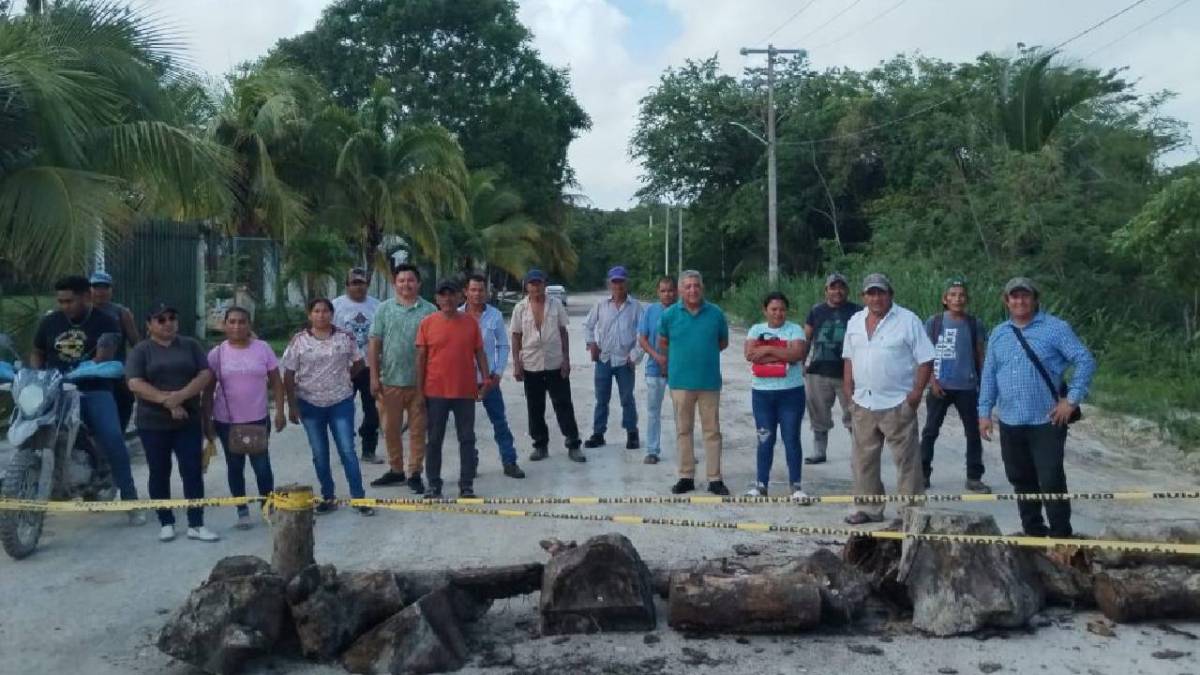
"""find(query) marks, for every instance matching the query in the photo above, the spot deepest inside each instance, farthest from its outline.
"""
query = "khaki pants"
(820, 392)
(686, 401)
(394, 403)
(898, 426)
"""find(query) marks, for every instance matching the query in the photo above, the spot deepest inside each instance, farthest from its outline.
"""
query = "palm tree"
(1034, 97)
(94, 133)
(263, 118)
(402, 181)
(313, 259)
(496, 231)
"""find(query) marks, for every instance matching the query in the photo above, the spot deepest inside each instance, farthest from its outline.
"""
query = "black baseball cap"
(448, 286)
(159, 308)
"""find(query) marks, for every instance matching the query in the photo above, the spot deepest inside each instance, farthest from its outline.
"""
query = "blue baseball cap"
(101, 279)
(617, 274)
(535, 275)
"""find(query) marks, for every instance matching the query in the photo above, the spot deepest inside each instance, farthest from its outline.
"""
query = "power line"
(881, 125)
(835, 17)
(1140, 26)
(788, 20)
(1095, 26)
(861, 26)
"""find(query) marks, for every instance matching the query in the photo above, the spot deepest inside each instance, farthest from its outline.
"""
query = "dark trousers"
(966, 402)
(438, 416)
(124, 399)
(368, 431)
(605, 374)
(185, 444)
(1033, 462)
(537, 385)
(236, 463)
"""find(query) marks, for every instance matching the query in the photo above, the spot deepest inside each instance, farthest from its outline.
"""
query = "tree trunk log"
(484, 583)
(750, 603)
(1149, 593)
(293, 537)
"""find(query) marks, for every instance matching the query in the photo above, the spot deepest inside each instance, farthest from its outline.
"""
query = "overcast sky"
(616, 49)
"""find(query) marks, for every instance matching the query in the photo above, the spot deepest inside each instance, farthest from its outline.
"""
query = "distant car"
(558, 291)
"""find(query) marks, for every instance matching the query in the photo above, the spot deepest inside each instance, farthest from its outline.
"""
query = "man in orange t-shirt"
(449, 349)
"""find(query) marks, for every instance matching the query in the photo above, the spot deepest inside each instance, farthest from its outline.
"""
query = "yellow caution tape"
(110, 507)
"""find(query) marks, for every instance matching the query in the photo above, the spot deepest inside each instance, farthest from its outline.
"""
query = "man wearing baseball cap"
(1022, 381)
(611, 334)
(354, 311)
(541, 362)
(888, 359)
(825, 330)
(102, 293)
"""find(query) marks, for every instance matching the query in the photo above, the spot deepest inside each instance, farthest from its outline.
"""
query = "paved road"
(94, 595)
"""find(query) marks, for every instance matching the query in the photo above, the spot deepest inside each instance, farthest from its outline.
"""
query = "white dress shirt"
(885, 364)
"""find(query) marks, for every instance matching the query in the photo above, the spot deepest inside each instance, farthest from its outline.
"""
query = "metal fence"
(160, 262)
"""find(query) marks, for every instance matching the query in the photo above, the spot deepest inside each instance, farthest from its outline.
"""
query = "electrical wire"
(861, 26)
(788, 20)
(1093, 27)
(1135, 29)
(833, 18)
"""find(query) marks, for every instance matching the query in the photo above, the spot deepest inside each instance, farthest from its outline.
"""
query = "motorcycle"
(51, 458)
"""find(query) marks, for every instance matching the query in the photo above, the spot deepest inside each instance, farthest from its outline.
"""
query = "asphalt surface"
(95, 594)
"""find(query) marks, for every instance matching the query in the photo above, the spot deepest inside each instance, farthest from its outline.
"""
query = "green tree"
(468, 66)
(94, 133)
(496, 231)
(314, 260)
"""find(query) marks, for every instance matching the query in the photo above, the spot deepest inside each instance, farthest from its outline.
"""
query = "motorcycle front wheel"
(21, 530)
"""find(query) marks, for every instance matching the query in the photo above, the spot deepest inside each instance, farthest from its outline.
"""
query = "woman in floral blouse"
(318, 367)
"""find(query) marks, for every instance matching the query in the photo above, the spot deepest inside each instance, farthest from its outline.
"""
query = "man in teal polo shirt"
(692, 333)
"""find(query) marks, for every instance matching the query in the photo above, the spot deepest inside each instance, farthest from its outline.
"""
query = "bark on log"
(293, 537)
(745, 603)
(484, 583)
(1149, 593)
(1178, 531)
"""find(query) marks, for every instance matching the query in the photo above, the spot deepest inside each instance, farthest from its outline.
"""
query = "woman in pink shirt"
(243, 368)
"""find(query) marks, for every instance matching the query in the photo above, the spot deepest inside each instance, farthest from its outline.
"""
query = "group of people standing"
(413, 364)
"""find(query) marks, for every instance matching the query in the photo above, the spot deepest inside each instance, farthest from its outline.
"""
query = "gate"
(160, 261)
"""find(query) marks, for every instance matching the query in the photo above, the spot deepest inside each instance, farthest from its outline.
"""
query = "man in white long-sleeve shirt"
(611, 333)
(496, 346)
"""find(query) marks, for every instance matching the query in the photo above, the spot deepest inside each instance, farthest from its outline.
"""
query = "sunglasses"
(165, 318)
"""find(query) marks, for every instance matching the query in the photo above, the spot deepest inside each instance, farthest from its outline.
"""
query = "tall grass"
(1145, 369)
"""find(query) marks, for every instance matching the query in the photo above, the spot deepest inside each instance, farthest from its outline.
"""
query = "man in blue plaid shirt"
(1033, 419)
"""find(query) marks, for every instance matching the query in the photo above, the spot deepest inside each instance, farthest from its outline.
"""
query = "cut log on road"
(961, 587)
(1066, 575)
(743, 603)
(485, 583)
(602, 585)
(292, 532)
(1142, 593)
(879, 559)
(1180, 531)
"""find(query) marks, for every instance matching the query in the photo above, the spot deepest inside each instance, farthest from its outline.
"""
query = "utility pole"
(680, 247)
(773, 230)
(667, 242)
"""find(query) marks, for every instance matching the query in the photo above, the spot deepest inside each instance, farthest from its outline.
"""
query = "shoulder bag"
(1055, 393)
(244, 439)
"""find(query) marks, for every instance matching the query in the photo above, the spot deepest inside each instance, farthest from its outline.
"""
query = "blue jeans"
(185, 443)
(655, 388)
(338, 418)
(98, 409)
(236, 464)
(493, 405)
(783, 410)
(605, 374)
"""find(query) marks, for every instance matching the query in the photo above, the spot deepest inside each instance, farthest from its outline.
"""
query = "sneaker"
(365, 511)
(799, 495)
(244, 522)
(1039, 530)
(757, 490)
(513, 471)
(861, 518)
(632, 441)
(166, 533)
(717, 487)
(978, 487)
(416, 484)
(814, 459)
(371, 458)
(433, 493)
(389, 478)
(683, 485)
(650, 459)
(325, 507)
(576, 455)
(538, 454)
(596, 441)
(202, 533)
(137, 518)
(467, 493)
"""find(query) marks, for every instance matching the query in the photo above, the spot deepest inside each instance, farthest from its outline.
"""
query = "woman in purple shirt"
(243, 369)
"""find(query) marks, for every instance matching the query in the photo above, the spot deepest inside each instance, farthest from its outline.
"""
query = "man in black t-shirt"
(825, 329)
(68, 337)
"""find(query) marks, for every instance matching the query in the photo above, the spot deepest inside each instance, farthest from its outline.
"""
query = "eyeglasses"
(165, 318)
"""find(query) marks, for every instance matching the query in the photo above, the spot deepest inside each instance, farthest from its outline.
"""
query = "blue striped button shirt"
(1011, 383)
